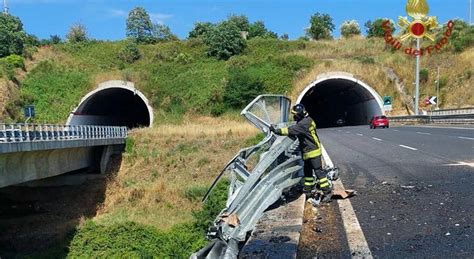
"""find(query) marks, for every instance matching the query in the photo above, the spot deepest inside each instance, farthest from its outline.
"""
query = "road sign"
(29, 111)
(387, 103)
(387, 100)
(433, 100)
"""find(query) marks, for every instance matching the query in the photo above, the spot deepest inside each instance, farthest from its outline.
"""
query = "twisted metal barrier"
(13, 133)
(259, 176)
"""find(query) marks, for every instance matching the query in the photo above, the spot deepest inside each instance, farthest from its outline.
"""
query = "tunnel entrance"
(338, 99)
(114, 103)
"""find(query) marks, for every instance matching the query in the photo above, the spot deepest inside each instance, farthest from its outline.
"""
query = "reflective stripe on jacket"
(305, 131)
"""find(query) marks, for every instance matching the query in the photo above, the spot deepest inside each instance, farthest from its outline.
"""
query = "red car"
(379, 121)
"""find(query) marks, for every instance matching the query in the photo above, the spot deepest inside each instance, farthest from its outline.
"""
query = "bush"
(462, 36)
(130, 53)
(200, 29)
(258, 29)
(350, 28)
(132, 240)
(14, 61)
(375, 28)
(183, 58)
(214, 204)
(77, 33)
(243, 87)
(224, 41)
(424, 75)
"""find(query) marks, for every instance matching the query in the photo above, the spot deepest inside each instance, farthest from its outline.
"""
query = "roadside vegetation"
(153, 206)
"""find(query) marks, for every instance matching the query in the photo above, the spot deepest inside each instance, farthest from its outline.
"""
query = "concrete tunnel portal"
(113, 103)
(339, 96)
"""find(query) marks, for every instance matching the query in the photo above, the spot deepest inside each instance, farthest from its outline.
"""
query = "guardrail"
(440, 119)
(10, 133)
(469, 110)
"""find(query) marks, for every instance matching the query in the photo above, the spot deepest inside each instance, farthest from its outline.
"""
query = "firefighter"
(305, 131)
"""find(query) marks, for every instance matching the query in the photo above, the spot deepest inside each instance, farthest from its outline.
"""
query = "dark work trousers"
(313, 164)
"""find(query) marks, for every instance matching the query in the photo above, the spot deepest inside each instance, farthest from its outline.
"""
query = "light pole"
(437, 91)
(470, 12)
(5, 7)
(417, 77)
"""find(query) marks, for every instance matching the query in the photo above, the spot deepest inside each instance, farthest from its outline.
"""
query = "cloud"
(160, 17)
(117, 13)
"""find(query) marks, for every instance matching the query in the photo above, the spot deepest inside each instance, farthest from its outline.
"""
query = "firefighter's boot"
(309, 184)
(326, 187)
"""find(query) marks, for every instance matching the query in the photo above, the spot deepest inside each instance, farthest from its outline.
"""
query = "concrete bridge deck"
(32, 152)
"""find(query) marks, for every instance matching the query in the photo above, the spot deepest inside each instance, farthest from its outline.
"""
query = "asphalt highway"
(415, 187)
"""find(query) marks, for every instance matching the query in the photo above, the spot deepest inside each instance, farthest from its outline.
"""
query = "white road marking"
(437, 127)
(396, 130)
(411, 148)
(423, 133)
(461, 164)
(355, 236)
(377, 139)
(358, 134)
(466, 138)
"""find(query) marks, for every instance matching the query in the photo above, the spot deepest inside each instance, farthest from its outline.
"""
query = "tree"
(375, 29)
(462, 35)
(321, 26)
(258, 29)
(55, 39)
(12, 36)
(130, 53)
(240, 21)
(77, 33)
(200, 29)
(224, 40)
(350, 28)
(162, 32)
(284, 36)
(139, 25)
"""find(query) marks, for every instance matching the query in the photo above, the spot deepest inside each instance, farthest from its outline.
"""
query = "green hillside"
(179, 77)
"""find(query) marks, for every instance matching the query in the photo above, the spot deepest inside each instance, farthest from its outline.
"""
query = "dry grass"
(165, 162)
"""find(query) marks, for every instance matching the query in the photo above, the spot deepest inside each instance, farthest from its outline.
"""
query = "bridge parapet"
(32, 132)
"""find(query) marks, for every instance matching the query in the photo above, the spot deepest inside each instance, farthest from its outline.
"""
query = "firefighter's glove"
(272, 128)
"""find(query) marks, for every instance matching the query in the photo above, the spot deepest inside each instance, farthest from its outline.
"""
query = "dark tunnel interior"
(113, 107)
(340, 102)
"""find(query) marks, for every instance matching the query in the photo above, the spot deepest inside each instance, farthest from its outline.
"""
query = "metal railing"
(452, 111)
(440, 119)
(12, 133)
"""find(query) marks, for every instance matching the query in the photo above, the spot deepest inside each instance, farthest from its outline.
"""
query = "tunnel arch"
(338, 95)
(113, 103)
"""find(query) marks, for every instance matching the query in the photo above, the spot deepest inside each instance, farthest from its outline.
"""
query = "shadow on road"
(41, 221)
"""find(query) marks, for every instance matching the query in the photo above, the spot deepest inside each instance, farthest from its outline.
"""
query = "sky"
(105, 19)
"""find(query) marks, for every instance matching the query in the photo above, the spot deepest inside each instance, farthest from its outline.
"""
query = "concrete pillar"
(107, 153)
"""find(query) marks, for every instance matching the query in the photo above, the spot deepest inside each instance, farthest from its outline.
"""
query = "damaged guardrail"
(259, 175)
